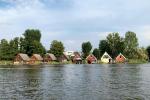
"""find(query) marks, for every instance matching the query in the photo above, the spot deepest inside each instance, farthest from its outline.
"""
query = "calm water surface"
(75, 82)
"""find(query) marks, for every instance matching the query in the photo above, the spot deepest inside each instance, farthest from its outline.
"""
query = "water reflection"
(75, 82)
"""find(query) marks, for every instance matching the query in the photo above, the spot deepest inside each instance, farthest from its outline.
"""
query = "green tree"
(116, 44)
(96, 53)
(131, 44)
(86, 48)
(104, 47)
(141, 54)
(14, 47)
(148, 51)
(22, 45)
(38, 48)
(31, 42)
(57, 48)
(4, 50)
(32, 35)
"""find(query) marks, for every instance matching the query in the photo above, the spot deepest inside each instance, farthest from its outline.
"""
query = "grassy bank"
(6, 62)
(58, 63)
(137, 61)
(130, 61)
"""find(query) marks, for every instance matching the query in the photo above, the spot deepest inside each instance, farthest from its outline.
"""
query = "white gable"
(106, 56)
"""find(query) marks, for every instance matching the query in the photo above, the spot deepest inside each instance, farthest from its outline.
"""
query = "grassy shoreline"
(137, 61)
(131, 61)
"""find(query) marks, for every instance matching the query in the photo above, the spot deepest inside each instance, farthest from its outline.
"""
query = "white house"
(69, 53)
(106, 58)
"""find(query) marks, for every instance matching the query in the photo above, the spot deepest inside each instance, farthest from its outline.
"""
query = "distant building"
(77, 58)
(91, 59)
(69, 53)
(21, 59)
(49, 57)
(120, 58)
(63, 58)
(106, 58)
(36, 58)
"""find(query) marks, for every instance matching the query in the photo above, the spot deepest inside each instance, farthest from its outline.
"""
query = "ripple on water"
(75, 82)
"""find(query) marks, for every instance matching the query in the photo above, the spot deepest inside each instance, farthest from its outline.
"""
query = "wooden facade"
(63, 58)
(21, 59)
(36, 58)
(120, 58)
(91, 59)
(77, 58)
(49, 57)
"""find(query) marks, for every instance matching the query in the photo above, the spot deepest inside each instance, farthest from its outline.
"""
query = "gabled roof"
(77, 57)
(63, 56)
(24, 57)
(38, 57)
(106, 55)
(67, 57)
(121, 55)
(90, 56)
(52, 56)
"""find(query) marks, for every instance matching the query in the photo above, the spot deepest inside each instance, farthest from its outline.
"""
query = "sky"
(75, 21)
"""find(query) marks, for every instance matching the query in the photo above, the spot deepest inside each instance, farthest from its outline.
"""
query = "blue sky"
(75, 21)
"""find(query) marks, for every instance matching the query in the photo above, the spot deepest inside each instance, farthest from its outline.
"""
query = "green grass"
(130, 61)
(57, 63)
(6, 62)
(137, 61)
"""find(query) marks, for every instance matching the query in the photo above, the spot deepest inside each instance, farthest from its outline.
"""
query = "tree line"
(114, 44)
(29, 44)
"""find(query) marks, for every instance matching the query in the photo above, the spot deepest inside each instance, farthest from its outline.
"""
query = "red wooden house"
(77, 58)
(21, 59)
(91, 59)
(63, 58)
(120, 58)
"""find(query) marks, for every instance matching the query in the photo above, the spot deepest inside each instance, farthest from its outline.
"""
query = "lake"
(75, 82)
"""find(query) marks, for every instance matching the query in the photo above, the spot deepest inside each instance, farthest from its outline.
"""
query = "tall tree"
(96, 53)
(4, 50)
(57, 48)
(86, 48)
(14, 47)
(148, 51)
(22, 45)
(104, 47)
(32, 35)
(38, 48)
(141, 53)
(131, 44)
(32, 42)
(116, 44)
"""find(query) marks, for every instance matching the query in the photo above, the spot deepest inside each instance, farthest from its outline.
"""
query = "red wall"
(120, 59)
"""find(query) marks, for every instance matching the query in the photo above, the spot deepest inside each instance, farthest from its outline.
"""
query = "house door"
(109, 60)
(89, 62)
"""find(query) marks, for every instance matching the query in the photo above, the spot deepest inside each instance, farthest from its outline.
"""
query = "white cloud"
(75, 21)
